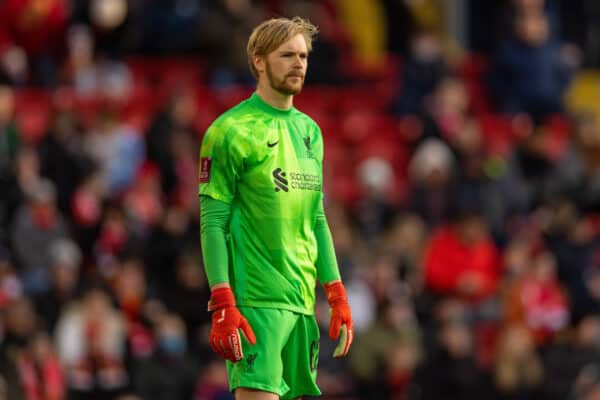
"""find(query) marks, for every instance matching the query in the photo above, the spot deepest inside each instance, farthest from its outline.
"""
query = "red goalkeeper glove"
(226, 323)
(340, 323)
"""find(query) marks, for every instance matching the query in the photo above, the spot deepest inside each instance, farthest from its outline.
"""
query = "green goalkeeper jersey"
(267, 163)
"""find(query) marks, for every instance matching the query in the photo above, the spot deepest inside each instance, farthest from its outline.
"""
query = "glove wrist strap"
(336, 293)
(221, 298)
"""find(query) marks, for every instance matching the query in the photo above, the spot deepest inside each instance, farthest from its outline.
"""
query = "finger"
(235, 344)
(335, 324)
(214, 345)
(247, 331)
(343, 346)
(226, 351)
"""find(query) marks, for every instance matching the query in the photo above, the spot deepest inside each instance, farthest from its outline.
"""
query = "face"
(285, 67)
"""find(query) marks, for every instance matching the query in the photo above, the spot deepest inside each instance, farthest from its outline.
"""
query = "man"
(265, 238)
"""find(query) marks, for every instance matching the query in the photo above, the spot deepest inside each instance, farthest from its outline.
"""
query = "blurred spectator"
(169, 374)
(537, 300)
(578, 173)
(188, 290)
(90, 337)
(227, 24)
(64, 268)
(40, 371)
(37, 224)
(406, 241)
(518, 370)
(143, 201)
(11, 288)
(451, 371)
(176, 118)
(474, 182)
(431, 174)
(530, 168)
(510, 10)
(9, 133)
(117, 148)
(129, 288)
(573, 366)
(572, 238)
(374, 210)
(421, 73)
(530, 71)
(93, 75)
(86, 209)
(446, 110)
(385, 355)
(112, 242)
(23, 174)
(60, 156)
(164, 245)
(212, 382)
(20, 325)
(461, 259)
(32, 40)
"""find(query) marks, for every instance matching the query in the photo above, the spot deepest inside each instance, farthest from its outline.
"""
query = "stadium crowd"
(462, 189)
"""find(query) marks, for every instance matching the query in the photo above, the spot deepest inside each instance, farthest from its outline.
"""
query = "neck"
(273, 97)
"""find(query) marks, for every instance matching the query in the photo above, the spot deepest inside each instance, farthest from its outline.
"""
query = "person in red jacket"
(462, 260)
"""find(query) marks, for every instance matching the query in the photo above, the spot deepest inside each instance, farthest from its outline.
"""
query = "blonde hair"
(272, 33)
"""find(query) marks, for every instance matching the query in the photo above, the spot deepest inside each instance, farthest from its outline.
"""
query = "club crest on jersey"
(204, 170)
(307, 144)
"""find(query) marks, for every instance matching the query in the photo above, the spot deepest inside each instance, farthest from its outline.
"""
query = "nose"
(298, 61)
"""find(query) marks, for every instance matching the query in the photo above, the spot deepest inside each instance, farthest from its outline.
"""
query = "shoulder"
(233, 123)
(308, 124)
(236, 117)
(305, 119)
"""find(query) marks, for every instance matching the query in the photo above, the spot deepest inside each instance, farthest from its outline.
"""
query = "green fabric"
(214, 223)
(267, 163)
(327, 267)
(283, 360)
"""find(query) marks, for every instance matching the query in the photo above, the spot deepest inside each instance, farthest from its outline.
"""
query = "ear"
(259, 63)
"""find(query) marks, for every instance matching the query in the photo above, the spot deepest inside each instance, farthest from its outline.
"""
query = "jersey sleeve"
(222, 156)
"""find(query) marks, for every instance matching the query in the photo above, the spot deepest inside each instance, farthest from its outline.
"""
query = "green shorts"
(284, 358)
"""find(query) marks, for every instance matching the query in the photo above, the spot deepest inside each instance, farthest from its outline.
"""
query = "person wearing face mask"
(169, 373)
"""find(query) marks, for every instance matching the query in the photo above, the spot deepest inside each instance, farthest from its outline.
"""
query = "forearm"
(214, 217)
(327, 266)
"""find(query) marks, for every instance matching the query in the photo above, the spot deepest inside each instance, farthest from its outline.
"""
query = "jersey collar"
(269, 109)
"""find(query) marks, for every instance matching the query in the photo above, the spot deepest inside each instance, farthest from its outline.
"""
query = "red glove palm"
(340, 323)
(226, 322)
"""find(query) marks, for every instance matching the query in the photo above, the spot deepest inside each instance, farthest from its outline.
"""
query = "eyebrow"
(293, 52)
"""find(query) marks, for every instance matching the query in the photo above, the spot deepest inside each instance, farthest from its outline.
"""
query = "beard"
(281, 85)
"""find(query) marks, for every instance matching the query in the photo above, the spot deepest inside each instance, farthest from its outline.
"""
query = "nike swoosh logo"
(272, 144)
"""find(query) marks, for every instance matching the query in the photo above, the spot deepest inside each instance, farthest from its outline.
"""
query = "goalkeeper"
(264, 235)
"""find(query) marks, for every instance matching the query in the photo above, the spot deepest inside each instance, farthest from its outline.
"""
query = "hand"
(226, 322)
(340, 324)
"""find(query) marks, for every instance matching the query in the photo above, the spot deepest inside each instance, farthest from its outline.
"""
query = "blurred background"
(462, 189)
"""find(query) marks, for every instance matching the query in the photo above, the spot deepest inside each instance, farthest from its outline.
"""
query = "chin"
(289, 90)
